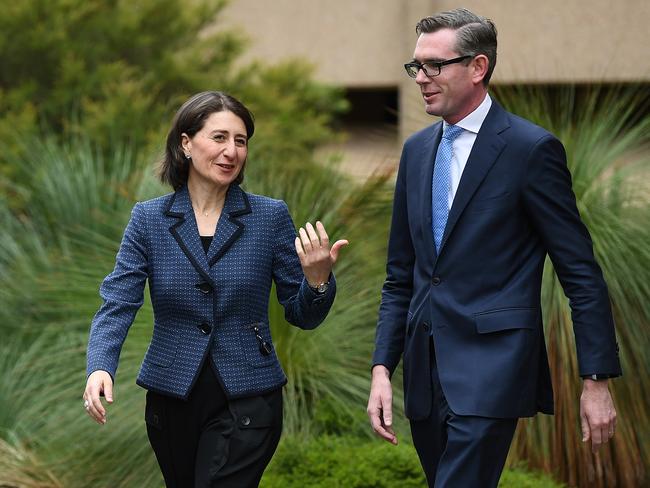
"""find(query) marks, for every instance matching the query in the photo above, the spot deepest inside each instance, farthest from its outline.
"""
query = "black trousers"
(210, 441)
(458, 451)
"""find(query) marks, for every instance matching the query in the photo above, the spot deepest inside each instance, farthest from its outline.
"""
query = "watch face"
(322, 288)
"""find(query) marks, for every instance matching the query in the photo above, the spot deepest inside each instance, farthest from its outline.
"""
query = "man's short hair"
(474, 34)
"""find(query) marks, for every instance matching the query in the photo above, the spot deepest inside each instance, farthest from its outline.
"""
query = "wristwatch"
(321, 288)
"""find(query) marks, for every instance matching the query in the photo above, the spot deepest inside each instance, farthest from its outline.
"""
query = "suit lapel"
(229, 228)
(428, 157)
(186, 233)
(486, 150)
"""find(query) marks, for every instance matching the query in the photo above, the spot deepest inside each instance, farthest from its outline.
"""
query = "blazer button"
(426, 326)
(435, 281)
(205, 328)
(245, 421)
(204, 287)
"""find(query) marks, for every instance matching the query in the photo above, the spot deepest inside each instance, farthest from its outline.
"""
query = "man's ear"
(480, 66)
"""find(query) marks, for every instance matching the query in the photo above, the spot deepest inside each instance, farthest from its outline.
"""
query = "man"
(480, 200)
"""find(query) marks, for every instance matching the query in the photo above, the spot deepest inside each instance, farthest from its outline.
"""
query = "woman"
(210, 252)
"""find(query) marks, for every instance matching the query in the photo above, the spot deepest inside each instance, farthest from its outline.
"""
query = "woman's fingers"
(108, 391)
(313, 244)
(98, 382)
(299, 250)
(304, 238)
(316, 237)
(324, 238)
(316, 257)
(94, 405)
(313, 237)
(334, 252)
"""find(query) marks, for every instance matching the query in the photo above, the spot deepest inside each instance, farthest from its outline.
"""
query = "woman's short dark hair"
(190, 118)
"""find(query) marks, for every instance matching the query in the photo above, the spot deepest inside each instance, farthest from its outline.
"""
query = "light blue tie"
(441, 182)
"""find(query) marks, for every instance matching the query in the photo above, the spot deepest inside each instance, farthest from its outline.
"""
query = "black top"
(206, 241)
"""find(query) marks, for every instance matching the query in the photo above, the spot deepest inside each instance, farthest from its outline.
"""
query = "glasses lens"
(411, 69)
(431, 70)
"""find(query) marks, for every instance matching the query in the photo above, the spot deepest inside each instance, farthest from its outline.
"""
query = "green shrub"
(117, 71)
(328, 462)
(520, 477)
(348, 462)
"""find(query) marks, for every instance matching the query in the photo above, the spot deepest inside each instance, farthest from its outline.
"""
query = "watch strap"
(598, 376)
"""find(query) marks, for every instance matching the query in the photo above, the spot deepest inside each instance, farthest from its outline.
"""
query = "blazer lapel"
(428, 157)
(486, 150)
(186, 232)
(229, 228)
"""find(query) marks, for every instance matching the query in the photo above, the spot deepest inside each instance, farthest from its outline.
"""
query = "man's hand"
(380, 404)
(597, 413)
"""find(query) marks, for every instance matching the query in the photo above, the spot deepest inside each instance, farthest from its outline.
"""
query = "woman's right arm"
(122, 292)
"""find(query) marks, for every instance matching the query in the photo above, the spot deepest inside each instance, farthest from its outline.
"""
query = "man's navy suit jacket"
(479, 297)
(204, 304)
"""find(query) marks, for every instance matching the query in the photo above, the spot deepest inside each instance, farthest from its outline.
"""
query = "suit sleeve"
(302, 307)
(551, 205)
(397, 291)
(122, 292)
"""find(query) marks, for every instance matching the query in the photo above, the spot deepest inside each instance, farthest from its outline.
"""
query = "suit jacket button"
(204, 287)
(435, 281)
(426, 326)
(205, 328)
(245, 421)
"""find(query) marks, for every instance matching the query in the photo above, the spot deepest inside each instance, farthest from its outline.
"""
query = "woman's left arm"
(302, 265)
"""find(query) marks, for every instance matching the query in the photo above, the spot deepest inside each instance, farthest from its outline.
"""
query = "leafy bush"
(116, 72)
(118, 67)
(328, 462)
(520, 477)
(348, 462)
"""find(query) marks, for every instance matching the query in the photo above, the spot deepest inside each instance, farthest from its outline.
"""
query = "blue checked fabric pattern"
(205, 303)
(441, 182)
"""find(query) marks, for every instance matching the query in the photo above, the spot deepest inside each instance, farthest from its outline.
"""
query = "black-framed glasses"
(431, 68)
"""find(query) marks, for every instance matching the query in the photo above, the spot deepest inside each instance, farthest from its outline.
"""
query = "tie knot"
(451, 132)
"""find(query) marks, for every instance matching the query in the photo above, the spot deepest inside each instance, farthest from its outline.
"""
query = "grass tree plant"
(606, 132)
(61, 244)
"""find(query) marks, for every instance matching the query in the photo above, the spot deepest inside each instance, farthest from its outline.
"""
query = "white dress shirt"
(463, 144)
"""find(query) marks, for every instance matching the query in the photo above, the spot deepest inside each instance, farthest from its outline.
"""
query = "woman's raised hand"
(316, 256)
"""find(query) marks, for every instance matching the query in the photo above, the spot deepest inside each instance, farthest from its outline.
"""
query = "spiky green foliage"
(330, 364)
(53, 256)
(606, 132)
(52, 260)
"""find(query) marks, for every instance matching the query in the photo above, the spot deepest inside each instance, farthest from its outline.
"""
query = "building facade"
(362, 44)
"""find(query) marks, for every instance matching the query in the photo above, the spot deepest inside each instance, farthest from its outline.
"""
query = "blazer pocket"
(162, 350)
(256, 342)
(488, 203)
(506, 319)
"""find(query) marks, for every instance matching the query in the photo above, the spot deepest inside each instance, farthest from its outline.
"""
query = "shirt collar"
(474, 120)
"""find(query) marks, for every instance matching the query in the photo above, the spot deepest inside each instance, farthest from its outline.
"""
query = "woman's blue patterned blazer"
(205, 303)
